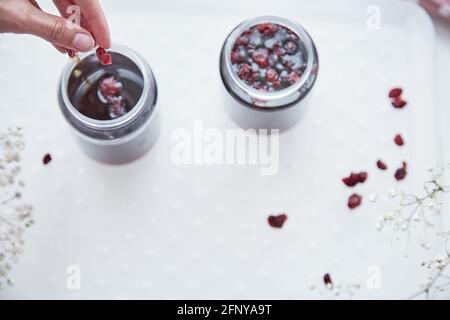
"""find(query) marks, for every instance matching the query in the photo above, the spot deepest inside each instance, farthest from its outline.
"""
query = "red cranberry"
(354, 201)
(401, 173)
(398, 103)
(293, 77)
(260, 57)
(235, 57)
(110, 87)
(242, 40)
(354, 178)
(271, 75)
(381, 165)
(71, 53)
(247, 32)
(362, 177)
(245, 71)
(398, 139)
(271, 30)
(47, 158)
(327, 280)
(278, 51)
(104, 57)
(277, 221)
(276, 84)
(267, 28)
(351, 180)
(395, 93)
(290, 47)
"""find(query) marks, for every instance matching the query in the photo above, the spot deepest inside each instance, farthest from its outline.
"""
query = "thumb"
(59, 31)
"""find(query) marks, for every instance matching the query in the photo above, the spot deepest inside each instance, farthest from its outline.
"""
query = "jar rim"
(284, 94)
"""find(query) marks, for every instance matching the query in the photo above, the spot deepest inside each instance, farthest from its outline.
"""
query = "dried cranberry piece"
(276, 84)
(260, 57)
(47, 158)
(278, 51)
(398, 139)
(293, 77)
(354, 178)
(110, 87)
(327, 280)
(277, 221)
(290, 47)
(395, 92)
(381, 165)
(245, 71)
(398, 103)
(354, 201)
(271, 75)
(242, 40)
(362, 177)
(263, 27)
(401, 173)
(104, 57)
(71, 53)
(351, 180)
(270, 30)
(235, 57)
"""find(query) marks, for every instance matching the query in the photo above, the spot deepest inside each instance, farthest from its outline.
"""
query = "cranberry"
(277, 221)
(262, 27)
(401, 173)
(104, 57)
(398, 103)
(71, 53)
(267, 29)
(110, 87)
(276, 84)
(381, 165)
(362, 177)
(395, 93)
(327, 280)
(398, 139)
(279, 52)
(271, 75)
(260, 57)
(235, 57)
(245, 71)
(47, 158)
(354, 178)
(351, 180)
(354, 201)
(290, 47)
(242, 40)
(293, 77)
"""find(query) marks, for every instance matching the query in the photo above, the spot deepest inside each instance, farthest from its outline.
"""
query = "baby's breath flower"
(15, 216)
(416, 212)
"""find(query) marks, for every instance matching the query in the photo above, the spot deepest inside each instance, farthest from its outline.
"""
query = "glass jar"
(115, 140)
(252, 107)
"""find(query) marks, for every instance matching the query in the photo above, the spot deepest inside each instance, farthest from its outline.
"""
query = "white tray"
(152, 229)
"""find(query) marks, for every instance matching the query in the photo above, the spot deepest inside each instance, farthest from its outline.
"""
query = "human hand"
(25, 16)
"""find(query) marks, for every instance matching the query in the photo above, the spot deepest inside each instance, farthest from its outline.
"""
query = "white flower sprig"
(438, 282)
(15, 216)
(417, 211)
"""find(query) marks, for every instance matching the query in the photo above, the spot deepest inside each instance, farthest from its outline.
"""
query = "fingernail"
(83, 42)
